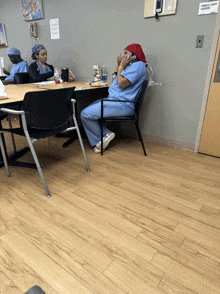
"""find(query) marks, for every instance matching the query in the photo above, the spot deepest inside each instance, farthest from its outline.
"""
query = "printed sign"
(208, 7)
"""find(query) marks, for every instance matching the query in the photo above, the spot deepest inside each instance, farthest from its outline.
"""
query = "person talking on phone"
(130, 73)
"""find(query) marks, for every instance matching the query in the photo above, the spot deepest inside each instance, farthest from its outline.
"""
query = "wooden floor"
(134, 224)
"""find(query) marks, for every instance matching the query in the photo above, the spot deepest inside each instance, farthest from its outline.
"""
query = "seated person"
(19, 65)
(39, 70)
(130, 74)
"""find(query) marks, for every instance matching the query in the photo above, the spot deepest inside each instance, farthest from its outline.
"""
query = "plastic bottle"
(104, 74)
(56, 76)
(97, 72)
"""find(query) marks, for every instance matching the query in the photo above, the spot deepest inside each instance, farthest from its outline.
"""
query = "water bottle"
(104, 74)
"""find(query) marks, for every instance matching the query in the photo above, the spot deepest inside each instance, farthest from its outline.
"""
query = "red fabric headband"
(136, 48)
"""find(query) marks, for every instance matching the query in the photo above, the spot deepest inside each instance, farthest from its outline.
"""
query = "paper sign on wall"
(54, 28)
(208, 7)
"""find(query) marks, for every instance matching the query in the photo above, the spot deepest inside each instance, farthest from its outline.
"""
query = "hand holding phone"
(133, 56)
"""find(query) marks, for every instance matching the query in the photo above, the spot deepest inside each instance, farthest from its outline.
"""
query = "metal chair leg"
(37, 163)
(4, 156)
(81, 143)
(12, 135)
(140, 138)
(102, 122)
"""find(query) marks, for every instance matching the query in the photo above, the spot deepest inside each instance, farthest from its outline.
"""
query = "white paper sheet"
(1, 66)
(54, 28)
(208, 7)
(2, 90)
(45, 83)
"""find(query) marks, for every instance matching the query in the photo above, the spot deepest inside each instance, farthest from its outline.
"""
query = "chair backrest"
(140, 97)
(150, 74)
(21, 78)
(50, 109)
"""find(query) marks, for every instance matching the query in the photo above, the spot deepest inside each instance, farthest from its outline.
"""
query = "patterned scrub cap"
(36, 49)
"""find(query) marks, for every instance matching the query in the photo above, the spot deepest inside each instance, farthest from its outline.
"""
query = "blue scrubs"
(19, 67)
(43, 70)
(136, 74)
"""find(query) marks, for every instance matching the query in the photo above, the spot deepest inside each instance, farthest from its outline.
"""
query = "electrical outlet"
(199, 41)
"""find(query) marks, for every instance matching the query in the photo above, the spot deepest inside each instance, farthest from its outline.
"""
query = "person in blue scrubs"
(130, 73)
(39, 70)
(19, 66)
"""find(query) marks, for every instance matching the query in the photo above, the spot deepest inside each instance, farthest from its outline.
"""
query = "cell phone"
(159, 6)
(132, 55)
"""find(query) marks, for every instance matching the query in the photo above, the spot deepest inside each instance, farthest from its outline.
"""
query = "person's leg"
(91, 114)
(89, 118)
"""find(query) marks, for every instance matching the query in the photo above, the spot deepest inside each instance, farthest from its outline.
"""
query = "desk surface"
(16, 92)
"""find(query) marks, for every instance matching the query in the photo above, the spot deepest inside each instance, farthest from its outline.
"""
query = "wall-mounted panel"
(168, 7)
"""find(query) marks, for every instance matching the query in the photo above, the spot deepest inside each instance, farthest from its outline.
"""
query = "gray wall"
(96, 31)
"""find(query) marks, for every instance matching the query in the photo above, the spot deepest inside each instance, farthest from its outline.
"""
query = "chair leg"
(101, 137)
(81, 143)
(4, 156)
(140, 138)
(102, 122)
(37, 163)
(12, 135)
(49, 143)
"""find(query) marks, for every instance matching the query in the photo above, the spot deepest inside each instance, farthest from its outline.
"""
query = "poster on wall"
(32, 9)
(3, 40)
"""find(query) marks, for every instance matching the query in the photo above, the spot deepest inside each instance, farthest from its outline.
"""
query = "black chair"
(2, 116)
(134, 118)
(21, 78)
(44, 114)
(35, 290)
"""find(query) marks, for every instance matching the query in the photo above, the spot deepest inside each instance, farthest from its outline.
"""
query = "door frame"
(208, 81)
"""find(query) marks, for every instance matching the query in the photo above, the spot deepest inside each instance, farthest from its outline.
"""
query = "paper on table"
(45, 83)
(2, 90)
(1, 65)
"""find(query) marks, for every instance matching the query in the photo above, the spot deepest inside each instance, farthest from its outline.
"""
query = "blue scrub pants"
(91, 114)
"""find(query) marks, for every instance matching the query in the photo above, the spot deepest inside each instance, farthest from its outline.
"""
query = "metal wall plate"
(199, 41)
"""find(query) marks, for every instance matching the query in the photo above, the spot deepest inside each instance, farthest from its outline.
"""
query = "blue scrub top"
(136, 74)
(19, 67)
(43, 70)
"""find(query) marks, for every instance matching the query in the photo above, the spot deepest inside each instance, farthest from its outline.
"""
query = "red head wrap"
(136, 48)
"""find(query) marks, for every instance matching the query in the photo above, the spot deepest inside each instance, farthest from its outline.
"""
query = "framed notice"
(3, 40)
(161, 7)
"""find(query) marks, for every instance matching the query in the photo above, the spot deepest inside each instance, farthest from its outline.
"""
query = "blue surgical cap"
(13, 51)
(36, 49)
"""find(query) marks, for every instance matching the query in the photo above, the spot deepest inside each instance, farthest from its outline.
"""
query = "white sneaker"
(106, 140)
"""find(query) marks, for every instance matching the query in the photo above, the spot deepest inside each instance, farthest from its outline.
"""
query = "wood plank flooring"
(133, 224)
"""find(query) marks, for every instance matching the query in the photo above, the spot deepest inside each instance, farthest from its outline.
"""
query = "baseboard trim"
(170, 143)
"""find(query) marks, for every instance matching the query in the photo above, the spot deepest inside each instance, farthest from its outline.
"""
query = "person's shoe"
(106, 140)
(96, 150)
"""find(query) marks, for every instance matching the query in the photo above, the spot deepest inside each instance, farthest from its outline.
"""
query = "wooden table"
(16, 95)
(16, 92)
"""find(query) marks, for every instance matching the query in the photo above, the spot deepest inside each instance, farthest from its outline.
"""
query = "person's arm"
(5, 82)
(6, 72)
(122, 81)
(36, 77)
